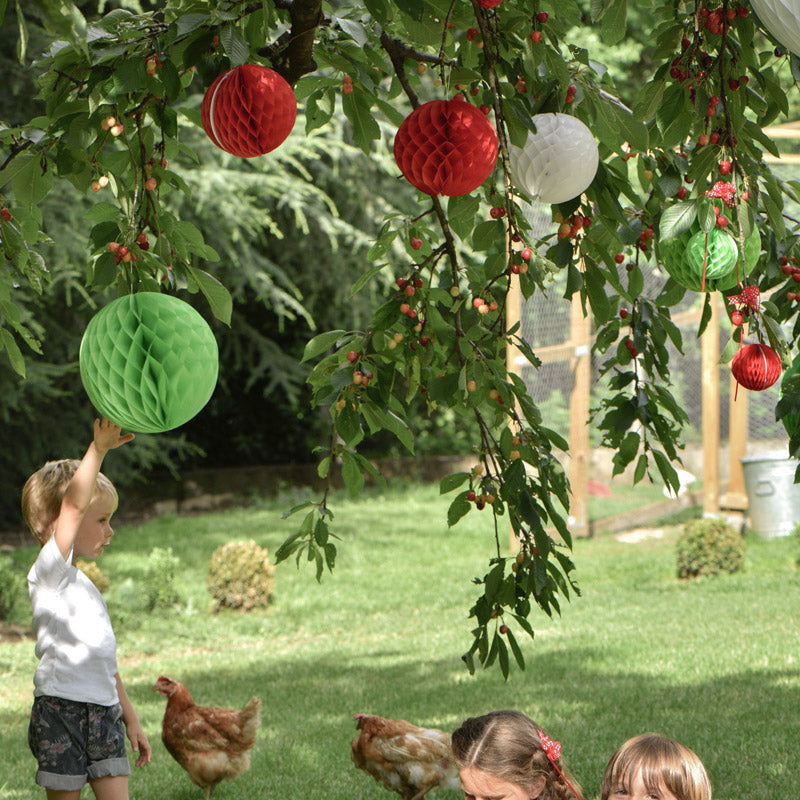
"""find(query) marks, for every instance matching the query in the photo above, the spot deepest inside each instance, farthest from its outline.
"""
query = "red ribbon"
(553, 752)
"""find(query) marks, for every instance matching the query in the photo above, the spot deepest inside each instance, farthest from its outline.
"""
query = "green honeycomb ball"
(719, 253)
(673, 255)
(148, 362)
(790, 420)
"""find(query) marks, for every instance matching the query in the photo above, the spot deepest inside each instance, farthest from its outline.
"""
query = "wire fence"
(545, 322)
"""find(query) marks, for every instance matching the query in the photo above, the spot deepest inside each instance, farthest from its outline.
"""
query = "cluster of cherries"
(570, 227)
(124, 253)
(536, 34)
(792, 271)
(361, 377)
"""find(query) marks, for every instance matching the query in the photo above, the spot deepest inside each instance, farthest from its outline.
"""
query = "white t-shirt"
(75, 643)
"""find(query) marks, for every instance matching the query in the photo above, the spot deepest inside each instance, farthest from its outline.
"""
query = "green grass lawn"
(713, 663)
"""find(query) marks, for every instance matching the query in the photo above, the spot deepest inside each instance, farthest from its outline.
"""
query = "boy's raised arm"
(80, 489)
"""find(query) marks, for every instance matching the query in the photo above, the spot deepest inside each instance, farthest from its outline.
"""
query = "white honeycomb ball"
(558, 162)
(782, 19)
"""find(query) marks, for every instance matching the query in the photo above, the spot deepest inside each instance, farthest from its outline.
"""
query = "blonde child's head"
(44, 490)
(662, 764)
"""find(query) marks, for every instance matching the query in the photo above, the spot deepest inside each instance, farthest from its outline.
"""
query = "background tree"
(695, 125)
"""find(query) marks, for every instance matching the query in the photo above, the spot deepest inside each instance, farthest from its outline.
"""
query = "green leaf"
(219, 298)
(365, 277)
(676, 219)
(352, 473)
(236, 48)
(22, 42)
(451, 482)
(103, 212)
(648, 100)
(33, 182)
(319, 344)
(612, 28)
(357, 108)
(348, 425)
(13, 351)
(458, 508)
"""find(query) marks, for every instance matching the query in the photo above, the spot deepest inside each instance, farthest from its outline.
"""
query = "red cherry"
(471, 34)
(682, 192)
(543, 16)
(478, 302)
(504, 629)
(736, 318)
(702, 140)
(623, 313)
(722, 221)
(410, 290)
(5, 214)
(471, 496)
(415, 242)
(352, 355)
(786, 268)
(401, 282)
(619, 258)
(536, 36)
(713, 137)
(724, 167)
(526, 254)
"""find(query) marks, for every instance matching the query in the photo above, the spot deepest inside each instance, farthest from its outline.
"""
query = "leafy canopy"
(121, 98)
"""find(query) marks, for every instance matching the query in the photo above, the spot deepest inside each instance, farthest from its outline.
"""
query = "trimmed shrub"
(240, 576)
(94, 574)
(159, 579)
(708, 547)
(11, 588)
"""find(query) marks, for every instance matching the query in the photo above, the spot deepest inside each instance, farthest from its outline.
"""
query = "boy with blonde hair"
(80, 704)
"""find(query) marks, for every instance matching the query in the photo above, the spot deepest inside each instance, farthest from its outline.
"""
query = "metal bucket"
(772, 494)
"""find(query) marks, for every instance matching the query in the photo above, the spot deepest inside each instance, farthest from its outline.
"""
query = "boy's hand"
(139, 743)
(108, 436)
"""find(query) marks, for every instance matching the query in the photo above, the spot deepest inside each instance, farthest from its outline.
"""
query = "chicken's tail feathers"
(251, 712)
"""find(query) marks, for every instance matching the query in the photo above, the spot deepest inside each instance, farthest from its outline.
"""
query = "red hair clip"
(552, 750)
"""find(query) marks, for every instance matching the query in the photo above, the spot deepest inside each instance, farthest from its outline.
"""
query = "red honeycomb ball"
(248, 110)
(756, 367)
(446, 147)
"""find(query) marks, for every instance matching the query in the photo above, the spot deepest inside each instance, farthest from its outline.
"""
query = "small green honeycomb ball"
(716, 249)
(148, 362)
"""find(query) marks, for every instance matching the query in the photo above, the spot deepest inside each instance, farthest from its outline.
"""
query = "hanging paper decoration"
(790, 420)
(781, 18)
(558, 162)
(756, 366)
(148, 362)
(712, 254)
(249, 110)
(674, 254)
(446, 147)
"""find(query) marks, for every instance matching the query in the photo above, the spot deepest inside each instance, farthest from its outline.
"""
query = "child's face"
(638, 791)
(480, 785)
(95, 531)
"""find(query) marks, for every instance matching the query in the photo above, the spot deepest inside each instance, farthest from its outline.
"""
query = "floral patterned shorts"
(76, 743)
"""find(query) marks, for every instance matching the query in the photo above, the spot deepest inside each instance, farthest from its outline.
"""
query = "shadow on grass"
(745, 727)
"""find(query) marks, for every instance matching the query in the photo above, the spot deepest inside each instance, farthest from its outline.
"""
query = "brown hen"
(211, 744)
(404, 758)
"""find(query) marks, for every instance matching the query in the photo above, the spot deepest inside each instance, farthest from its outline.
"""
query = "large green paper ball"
(148, 362)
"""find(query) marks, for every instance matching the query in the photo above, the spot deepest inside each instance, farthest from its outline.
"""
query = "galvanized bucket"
(773, 496)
